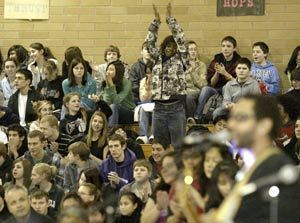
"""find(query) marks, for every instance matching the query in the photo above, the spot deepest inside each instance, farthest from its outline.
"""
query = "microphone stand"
(273, 194)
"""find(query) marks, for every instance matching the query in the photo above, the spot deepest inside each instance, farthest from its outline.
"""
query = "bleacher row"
(147, 149)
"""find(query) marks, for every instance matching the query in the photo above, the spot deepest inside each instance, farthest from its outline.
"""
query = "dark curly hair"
(164, 44)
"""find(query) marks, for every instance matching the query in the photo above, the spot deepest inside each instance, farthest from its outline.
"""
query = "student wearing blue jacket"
(263, 70)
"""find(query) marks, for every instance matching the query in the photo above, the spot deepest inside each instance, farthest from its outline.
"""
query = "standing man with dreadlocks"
(168, 81)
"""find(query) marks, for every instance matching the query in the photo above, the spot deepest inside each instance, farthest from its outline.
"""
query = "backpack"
(213, 102)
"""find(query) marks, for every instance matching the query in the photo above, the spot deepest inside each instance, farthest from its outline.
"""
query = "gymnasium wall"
(94, 24)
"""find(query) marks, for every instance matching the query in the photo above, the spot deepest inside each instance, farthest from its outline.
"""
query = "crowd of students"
(65, 157)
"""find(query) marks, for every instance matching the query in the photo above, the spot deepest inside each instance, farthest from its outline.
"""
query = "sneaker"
(142, 140)
(151, 138)
(191, 121)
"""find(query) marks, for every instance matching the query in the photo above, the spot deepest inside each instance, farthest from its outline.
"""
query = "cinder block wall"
(94, 24)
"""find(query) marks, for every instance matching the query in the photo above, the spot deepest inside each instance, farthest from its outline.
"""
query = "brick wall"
(94, 24)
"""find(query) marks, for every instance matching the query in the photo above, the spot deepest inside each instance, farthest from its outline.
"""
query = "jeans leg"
(160, 126)
(205, 94)
(191, 99)
(114, 118)
(144, 122)
(177, 127)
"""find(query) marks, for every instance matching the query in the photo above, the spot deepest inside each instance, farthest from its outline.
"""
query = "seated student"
(70, 54)
(117, 93)
(117, 169)
(17, 143)
(7, 117)
(79, 160)
(142, 186)
(237, 88)
(39, 55)
(263, 70)
(5, 165)
(20, 54)
(51, 87)
(97, 135)
(42, 177)
(37, 154)
(295, 81)
(220, 71)
(195, 76)
(18, 203)
(294, 62)
(39, 201)
(41, 108)
(137, 72)
(222, 182)
(21, 101)
(111, 54)
(21, 172)
(131, 143)
(79, 80)
(159, 148)
(7, 83)
(289, 109)
(56, 140)
(77, 119)
(130, 208)
(292, 149)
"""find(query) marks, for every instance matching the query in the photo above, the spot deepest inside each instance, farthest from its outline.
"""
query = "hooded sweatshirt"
(268, 76)
(124, 169)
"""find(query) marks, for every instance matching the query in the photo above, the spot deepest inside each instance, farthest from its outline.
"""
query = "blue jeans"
(120, 115)
(169, 123)
(205, 94)
(144, 122)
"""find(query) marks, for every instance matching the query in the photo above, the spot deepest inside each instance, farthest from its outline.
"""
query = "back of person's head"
(92, 176)
(80, 149)
(290, 105)
(72, 215)
(112, 48)
(230, 39)
(266, 107)
(71, 196)
(117, 137)
(71, 53)
(262, 45)
(17, 128)
(51, 120)
(36, 134)
(26, 73)
(245, 61)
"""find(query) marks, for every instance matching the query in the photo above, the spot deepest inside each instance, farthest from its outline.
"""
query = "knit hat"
(119, 66)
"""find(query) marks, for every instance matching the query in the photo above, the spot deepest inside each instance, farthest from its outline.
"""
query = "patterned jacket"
(168, 81)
